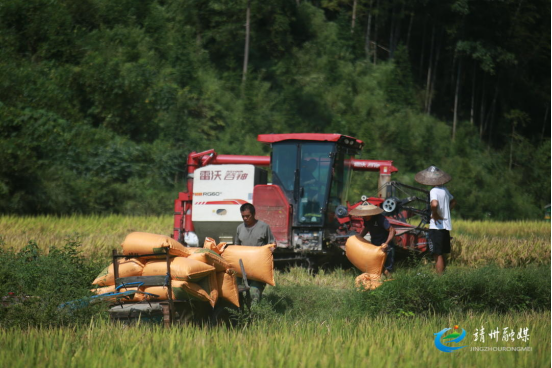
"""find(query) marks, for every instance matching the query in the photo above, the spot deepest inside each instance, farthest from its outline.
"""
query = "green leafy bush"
(34, 284)
(490, 288)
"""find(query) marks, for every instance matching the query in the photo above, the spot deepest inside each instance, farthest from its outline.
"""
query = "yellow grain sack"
(182, 290)
(228, 287)
(368, 281)
(220, 247)
(104, 290)
(209, 284)
(366, 256)
(211, 245)
(211, 258)
(138, 243)
(116, 299)
(135, 298)
(183, 269)
(127, 268)
(258, 262)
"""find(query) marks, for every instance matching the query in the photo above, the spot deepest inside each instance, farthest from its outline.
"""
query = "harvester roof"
(320, 137)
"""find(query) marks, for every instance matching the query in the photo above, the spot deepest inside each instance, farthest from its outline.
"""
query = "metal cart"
(170, 311)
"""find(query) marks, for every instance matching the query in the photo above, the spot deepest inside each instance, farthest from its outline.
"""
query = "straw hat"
(432, 176)
(365, 209)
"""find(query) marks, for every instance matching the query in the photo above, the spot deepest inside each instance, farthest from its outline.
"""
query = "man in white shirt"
(440, 225)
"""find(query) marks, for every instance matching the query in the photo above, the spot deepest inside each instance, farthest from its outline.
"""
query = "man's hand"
(384, 245)
(436, 216)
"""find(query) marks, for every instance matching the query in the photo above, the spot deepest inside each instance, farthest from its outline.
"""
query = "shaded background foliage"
(100, 101)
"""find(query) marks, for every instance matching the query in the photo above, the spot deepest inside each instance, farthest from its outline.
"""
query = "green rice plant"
(382, 341)
(475, 242)
(98, 234)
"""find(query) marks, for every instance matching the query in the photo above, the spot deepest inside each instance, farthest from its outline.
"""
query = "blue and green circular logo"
(454, 337)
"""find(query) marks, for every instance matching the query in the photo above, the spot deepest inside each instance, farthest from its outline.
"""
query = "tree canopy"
(101, 101)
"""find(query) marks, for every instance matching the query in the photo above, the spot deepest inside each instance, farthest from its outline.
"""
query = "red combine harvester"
(305, 205)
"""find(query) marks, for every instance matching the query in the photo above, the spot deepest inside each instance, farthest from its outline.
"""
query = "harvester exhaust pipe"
(385, 168)
(384, 178)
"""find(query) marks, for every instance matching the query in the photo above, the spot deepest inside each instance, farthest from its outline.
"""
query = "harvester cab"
(312, 174)
(305, 204)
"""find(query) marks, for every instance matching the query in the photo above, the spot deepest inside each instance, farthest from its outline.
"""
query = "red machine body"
(287, 206)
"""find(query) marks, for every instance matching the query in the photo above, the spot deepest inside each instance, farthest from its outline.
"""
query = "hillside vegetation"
(101, 101)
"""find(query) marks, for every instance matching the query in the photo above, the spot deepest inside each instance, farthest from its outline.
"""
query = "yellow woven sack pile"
(194, 271)
(127, 268)
(211, 258)
(182, 269)
(138, 244)
(181, 290)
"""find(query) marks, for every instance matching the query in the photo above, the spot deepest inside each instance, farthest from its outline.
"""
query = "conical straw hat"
(365, 209)
(432, 176)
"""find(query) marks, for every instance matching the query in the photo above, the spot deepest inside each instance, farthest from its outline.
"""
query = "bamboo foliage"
(101, 102)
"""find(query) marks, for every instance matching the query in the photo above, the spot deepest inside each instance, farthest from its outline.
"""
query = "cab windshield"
(314, 178)
(303, 170)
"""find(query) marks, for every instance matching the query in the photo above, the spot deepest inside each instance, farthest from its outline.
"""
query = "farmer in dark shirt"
(256, 233)
(381, 232)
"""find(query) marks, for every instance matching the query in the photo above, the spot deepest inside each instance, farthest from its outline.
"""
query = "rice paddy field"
(377, 342)
(475, 242)
(496, 289)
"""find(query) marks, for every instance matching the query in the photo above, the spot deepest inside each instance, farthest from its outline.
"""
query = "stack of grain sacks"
(206, 274)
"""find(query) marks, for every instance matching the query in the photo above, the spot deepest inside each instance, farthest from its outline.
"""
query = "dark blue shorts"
(439, 241)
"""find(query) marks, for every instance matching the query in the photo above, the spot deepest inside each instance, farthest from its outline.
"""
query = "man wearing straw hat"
(440, 225)
(381, 232)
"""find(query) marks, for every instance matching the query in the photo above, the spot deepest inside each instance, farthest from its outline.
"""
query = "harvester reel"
(390, 205)
(407, 203)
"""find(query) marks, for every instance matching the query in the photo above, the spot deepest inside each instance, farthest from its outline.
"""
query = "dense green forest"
(101, 100)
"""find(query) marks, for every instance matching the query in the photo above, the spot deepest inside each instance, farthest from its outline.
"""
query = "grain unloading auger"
(305, 205)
